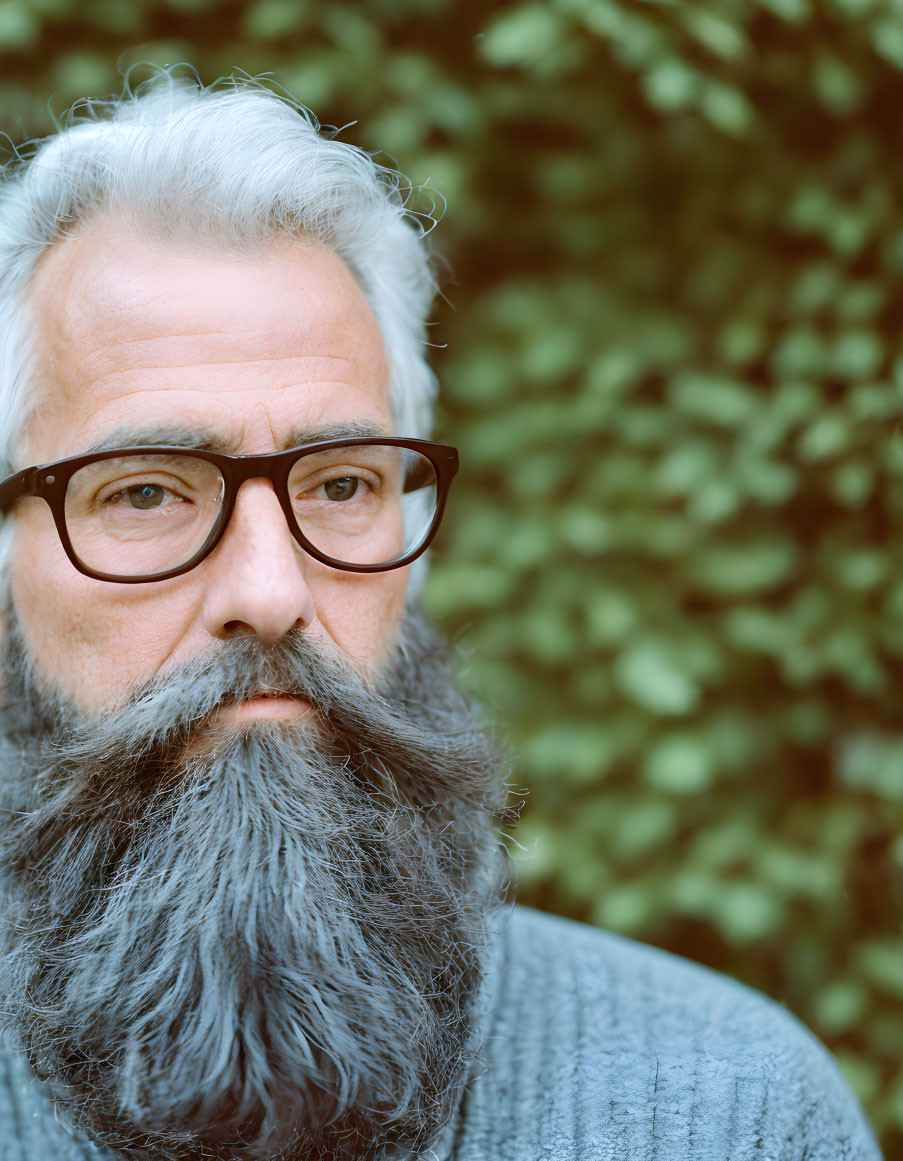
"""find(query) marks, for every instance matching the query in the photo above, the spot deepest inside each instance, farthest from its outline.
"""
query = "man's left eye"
(146, 495)
(142, 497)
(342, 488)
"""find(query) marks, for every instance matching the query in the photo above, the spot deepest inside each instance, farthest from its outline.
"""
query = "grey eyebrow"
(217, 439)
(165, 435)
(358, 429)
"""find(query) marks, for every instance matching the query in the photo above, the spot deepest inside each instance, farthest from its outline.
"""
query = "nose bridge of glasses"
(272, 466)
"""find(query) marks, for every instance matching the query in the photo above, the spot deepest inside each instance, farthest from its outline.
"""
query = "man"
(248, 846)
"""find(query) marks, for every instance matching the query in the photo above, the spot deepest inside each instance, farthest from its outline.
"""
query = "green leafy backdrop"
(672, 356)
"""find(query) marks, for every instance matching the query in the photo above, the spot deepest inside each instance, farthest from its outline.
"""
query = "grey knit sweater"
(598, 1049)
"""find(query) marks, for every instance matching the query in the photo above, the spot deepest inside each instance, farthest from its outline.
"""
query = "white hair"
(237, 166)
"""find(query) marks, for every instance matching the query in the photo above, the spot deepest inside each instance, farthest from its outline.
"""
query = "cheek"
(43, 585)
(90, 640)
(362, 613)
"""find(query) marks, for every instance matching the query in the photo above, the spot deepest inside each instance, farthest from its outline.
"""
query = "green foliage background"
(672, 357)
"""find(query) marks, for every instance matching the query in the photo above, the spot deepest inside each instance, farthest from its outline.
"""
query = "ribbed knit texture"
(598, 1049)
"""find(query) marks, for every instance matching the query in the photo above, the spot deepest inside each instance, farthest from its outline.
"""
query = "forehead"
(131, 331)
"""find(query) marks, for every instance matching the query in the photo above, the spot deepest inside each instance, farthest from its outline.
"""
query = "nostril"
(238, 629)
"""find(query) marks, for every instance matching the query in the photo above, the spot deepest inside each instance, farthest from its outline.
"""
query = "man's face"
(254, 941)
(141, 340)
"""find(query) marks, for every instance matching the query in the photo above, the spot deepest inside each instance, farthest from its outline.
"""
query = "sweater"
(597, 1048)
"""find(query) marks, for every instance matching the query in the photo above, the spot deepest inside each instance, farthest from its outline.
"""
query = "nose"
(256, 573)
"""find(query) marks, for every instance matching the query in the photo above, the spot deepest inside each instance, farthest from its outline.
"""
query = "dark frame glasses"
(49, 482)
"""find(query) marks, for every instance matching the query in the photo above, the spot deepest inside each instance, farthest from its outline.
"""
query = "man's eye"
(342, 488)
(142, 496)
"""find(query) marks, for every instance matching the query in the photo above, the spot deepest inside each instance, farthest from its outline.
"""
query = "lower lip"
(286, 709)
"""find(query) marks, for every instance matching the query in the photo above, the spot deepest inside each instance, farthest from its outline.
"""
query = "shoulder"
(645, 989)
(637, 1053)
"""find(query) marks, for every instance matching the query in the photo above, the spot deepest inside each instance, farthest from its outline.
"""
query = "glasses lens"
(142, 514)
(366, 504)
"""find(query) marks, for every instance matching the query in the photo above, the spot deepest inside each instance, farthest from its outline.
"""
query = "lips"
(267, 703)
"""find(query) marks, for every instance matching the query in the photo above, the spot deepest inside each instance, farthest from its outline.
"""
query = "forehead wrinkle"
(320, 332)
(203, 394)
(213, 436)
(313, 393)
(118, 391)
(95, 291)
(233, 362)
(307, 350)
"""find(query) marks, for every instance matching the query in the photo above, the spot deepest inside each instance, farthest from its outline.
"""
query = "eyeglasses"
(150, 513)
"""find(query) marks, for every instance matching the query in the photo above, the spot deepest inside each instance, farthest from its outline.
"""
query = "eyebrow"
(201, 438)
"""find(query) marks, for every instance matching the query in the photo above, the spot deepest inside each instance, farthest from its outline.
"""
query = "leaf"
(746, 913)
(841, 1006)
(270, 19)
(580, 751)
(856, 355)
(645, 826)
(714, 32)
(520, 37)
(862, 1075)
(680, 763)
(670, 85)
(816, 288)
(852, 484)
(868, 761)
(469, 587)
(649, 675)
(687, 467)
(880, 960)
(719, 400)
(826, 438)
(19, 27)
(740, 569)
(792, 11)
(799, 352)
(625, 908)
(727, 109)
(887, 39)
(611, 616)
(841, 91)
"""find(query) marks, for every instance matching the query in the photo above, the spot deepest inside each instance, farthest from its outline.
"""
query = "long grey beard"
(266, 945)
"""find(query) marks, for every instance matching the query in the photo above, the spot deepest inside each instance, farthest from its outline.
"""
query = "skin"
(131, 333)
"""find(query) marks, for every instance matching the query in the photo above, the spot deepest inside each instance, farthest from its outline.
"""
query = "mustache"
(172, 706)
(129, 762)
(174, 702)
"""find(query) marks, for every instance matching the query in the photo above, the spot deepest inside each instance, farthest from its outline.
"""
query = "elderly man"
(248, 845)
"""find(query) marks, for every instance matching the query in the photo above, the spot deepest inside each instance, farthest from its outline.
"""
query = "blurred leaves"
(672, 360)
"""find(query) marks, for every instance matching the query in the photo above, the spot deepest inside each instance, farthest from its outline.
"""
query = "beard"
(258, 942)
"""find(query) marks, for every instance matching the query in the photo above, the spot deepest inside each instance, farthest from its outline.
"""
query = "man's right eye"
(142, 496)
(342, 488)
(146, 496)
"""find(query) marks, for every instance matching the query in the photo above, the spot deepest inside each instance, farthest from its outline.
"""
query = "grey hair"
(236, 165)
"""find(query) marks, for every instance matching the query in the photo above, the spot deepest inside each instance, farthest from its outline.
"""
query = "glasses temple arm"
(14, 487)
